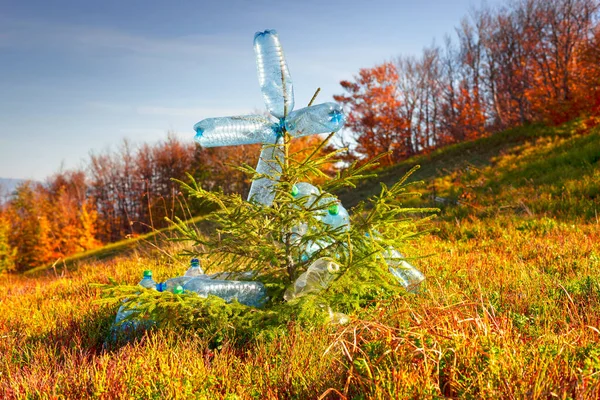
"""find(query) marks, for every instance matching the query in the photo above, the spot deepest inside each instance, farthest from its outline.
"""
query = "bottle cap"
(334, 209)
(195, 262)
(178, 289)
(295, 191)
(147, 274)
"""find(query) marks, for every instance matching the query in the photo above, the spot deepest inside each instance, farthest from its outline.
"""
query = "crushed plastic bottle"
(273, 74)
(316, 278)
(233, 131)
(337, 318)
(262, 189)
(249, 293)
(322, 118)
(194, 269)
(407, 275)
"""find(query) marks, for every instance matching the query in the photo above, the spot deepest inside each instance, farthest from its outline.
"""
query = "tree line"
(119, 193)
(527, 61)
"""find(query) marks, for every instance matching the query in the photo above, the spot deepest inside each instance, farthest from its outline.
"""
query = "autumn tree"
(373, 115)
(525, 61)
(30, 232)
(7, 252)
(70, 213)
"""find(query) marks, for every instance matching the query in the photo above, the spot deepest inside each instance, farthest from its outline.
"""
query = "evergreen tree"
(280, 241)
(273, 241)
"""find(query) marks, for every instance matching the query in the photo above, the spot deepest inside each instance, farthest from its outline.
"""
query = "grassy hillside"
(510, 309)
(538, 170)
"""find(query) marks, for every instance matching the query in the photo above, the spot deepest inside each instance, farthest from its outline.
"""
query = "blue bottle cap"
(336, 116)
(195, 262)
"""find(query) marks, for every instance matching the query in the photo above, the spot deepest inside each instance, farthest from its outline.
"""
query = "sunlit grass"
(510, 309)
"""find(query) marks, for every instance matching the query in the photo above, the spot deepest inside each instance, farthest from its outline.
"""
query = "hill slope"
(552, 171)
(510, 308)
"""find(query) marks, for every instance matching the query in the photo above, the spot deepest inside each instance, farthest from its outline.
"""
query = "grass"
(510, 309)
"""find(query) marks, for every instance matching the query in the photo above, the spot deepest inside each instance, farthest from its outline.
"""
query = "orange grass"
(510, 309)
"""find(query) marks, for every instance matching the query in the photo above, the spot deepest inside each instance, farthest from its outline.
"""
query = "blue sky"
(81, 75)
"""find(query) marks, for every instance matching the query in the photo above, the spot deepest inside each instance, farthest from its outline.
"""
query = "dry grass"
(511, 309)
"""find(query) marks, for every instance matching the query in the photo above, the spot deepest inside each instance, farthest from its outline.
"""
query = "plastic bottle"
(311, 248)
(194, 269)
(337, 318)
(262, 189)
(407, 275)
(249, 293)
(322, 118)
(147, 283)
(306, 191)
(316, 278)
(337, 217)
(232, 131)
(236, 276)
(171, 284)
(273, 74)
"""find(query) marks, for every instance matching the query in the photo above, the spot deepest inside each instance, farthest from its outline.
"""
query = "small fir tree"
(249, 236)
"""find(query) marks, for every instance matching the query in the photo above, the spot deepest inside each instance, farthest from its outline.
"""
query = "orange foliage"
(372, 109)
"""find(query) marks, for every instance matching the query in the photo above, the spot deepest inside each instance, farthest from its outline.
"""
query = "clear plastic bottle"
(233, 131)
(306, 191)
(147, 283)
(337, 217)
(306, 194)
(236, 276)
(316, 278)
(262, 189)
(194, 269)
(322, 118)
(171, 284)
(273, 74)
(311, 248)
(249, 293)
(407, 275)
(337, 318)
